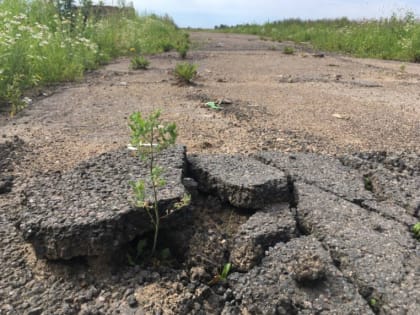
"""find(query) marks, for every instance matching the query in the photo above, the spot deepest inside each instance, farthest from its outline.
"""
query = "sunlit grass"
(40, 45)
(397, 37)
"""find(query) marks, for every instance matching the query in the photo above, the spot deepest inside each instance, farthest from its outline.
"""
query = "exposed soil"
(328, 104)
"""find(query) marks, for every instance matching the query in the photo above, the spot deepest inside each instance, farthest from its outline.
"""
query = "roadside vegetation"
(397, 37)
(44, 42)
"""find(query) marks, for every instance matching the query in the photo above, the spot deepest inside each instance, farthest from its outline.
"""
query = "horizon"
(208, 13)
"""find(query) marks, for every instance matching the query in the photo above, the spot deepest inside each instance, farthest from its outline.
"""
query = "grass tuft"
(139, 63)
(287, 50)
(185, 72)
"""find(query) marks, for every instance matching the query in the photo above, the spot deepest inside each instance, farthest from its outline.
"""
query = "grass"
(397, 37)
(287, 50)
(416, 230)
(40, 45)
(185, 72)
(139, 63)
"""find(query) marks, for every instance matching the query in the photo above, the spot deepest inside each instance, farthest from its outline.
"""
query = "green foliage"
(183, 46)
(221, 277)
(367, 181)
(183, 50)
(149, 136)
(140, 255)
(14, 95)
(287, 50)
(397, 37)
(185, 72)
(225, 272)
(43, 42)
(416, 230)
(185, 201)
(375, 304)
(139, 63)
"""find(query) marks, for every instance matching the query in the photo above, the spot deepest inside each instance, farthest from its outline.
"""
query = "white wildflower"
(43, 43)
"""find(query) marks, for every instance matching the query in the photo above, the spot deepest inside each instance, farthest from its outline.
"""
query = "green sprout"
(149, 136)
(416, 230)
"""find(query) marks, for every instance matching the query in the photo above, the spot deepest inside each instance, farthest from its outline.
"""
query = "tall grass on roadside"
(39, 46)
(397, 37)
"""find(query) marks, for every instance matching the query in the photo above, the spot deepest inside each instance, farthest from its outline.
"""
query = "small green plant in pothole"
(139, 254)
(221, 277)
(367, 181)
(375, 304)
(150, 136)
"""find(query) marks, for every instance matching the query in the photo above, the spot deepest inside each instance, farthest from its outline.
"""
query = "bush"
(185, 72)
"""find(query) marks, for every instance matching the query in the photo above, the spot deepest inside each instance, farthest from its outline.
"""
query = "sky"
(208, 13)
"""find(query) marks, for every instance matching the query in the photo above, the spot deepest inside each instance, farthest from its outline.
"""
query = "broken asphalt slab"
(90, 210)
(394, 178)
(240, 180)
(263, 229)
(379, 255)
(283, 284)
(324, 172)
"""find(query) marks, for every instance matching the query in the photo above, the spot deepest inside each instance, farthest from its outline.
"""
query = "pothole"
(255, 229)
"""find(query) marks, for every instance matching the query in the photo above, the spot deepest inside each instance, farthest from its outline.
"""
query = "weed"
(185, 72)
(225, 272)
(139, 63)
(14, 95)
(402, 68)
(221, 277)
(185, 201)
(416, 230)
(183, 49)
(368, 182)
(140, 255)
(150, 137)
(287, 50)
(375, 304)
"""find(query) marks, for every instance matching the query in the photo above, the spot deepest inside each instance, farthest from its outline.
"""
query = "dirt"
(332, 105)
